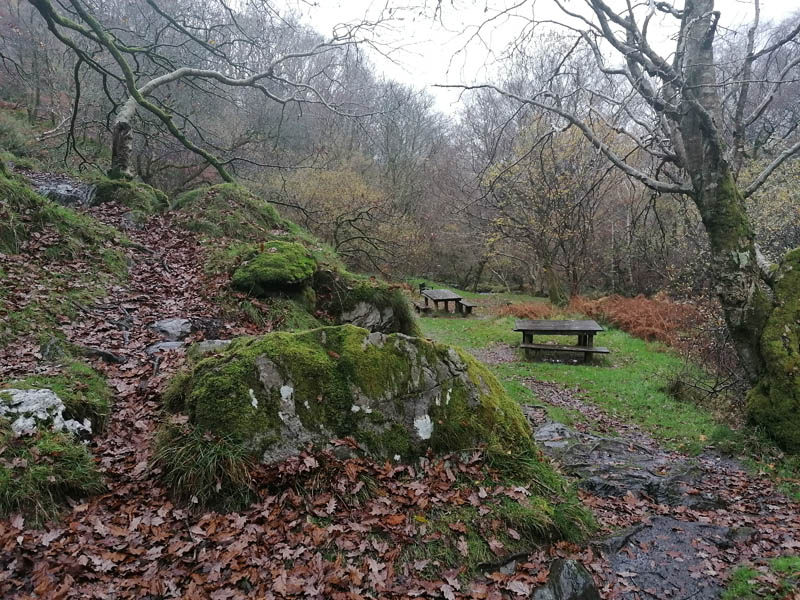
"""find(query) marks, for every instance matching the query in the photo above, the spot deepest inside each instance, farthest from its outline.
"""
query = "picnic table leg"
(587, 356)
(527, 338)
(426, 300)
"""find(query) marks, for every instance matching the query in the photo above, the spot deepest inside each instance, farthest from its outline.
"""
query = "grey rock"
(160, 346)
(36, 408)
(173, 330)
(370, 317)
(68, 194)
(568, 580)
(554, 435)
(207, 346)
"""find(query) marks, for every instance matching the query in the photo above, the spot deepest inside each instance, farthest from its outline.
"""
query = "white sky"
(427, 51)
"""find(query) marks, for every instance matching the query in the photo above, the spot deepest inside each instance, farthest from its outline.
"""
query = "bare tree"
(673, 134)
(143, 50)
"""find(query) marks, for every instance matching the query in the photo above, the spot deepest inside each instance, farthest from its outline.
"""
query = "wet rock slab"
(667, 558)
(616, 466)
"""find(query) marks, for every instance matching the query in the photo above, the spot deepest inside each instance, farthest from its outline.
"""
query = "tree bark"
(744, 298)
(122, 142)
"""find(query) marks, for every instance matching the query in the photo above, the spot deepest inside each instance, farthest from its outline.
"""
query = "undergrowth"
(39, 472)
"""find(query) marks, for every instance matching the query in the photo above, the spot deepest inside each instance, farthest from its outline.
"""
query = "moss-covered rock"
(228, 210)
(364, 302)
(138, 196)
(395, 394)
(775, 401)
(280, 266)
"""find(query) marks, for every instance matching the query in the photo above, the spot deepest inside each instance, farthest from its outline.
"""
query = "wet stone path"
(673, 526)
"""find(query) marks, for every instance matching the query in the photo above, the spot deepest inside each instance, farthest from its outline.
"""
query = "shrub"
(15, 135)
(526, 310)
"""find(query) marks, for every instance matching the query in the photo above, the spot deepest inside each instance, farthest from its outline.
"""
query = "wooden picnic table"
(437, 296)
(585, 330)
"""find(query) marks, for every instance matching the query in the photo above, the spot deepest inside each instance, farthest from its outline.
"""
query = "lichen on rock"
(396, 395)
(36, 408)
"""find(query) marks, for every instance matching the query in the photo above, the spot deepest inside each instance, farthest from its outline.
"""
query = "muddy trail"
(672, 526)
(679, 523)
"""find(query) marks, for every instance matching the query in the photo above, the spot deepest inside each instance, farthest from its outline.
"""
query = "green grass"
(630, 383)
(779, 580)
(39, 472)
(204, 470)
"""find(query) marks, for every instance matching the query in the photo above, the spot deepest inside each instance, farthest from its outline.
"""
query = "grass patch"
(629, 384)
(72, 260)
(39, 472)
(779, 579)
(204, 470)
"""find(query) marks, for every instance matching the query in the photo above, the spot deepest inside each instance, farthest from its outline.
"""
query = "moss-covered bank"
(269, 257)
(71, 257)
(775, 401)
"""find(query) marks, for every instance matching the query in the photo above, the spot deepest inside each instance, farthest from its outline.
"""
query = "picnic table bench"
(585, 330)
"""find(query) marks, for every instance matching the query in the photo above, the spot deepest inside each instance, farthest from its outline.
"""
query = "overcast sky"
(428, 52)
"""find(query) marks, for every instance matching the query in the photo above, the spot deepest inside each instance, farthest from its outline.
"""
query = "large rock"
(568, 580)
(282, 266)
(369, 316)
(31, 409)
(396, 395)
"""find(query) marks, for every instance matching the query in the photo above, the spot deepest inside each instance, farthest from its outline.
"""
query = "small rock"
(207, 346)
(173, 330)
(553, 435)
(158, 347)
(568, 580)
(38, 407)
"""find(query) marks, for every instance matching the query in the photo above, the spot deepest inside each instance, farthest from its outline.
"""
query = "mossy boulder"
(280, 266)
(138, 196)
(398, 396)
(775, 401)
(228, 210)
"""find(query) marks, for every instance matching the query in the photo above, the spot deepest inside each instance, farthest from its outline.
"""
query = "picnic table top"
(441, 294)
(557, 326)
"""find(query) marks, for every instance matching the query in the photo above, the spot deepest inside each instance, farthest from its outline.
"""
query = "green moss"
(279, 266)
(775, 401)
(228, 210)
(779, 580)
(70, 235)
(289, 315)
(339, 292)
(15, 134)
(325, 367)
(83, 390)
(137, 196)
(39, 472)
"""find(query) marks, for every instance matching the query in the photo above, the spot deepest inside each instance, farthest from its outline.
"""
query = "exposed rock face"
(371, 317)
(31, 409)
(396, 395)
(173, 330)
(614, 467)
(569, 580)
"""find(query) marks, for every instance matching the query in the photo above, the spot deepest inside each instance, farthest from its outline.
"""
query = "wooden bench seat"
(465, 307)
(560, 348)
(420, 307)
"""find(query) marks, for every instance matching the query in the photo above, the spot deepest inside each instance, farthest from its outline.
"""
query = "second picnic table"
(461, 306)
(584, 329)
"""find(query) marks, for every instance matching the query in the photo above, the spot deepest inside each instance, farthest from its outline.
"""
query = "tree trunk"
(122, 142)
(737, 277)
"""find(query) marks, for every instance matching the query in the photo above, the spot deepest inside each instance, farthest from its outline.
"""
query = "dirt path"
(684, 521)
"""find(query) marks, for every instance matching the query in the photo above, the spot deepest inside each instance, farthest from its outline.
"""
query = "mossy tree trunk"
(743, 295)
